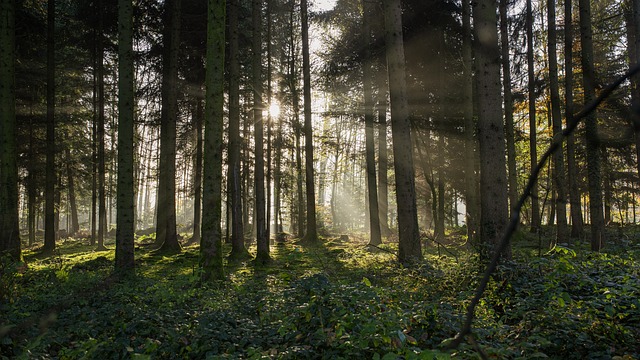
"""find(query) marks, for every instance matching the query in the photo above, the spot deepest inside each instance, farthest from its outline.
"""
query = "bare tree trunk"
(493, 177)
(591, 127)
(409, 247)
(262, 237)
(125, 219)
(9, 221)
(508, 105)
(470, 177)
(50, 182)
(312, 229)
(75, 226)
(211, 242)
(577, 224)
(166, 235)
(533, 143)
(367, 72)
(197, 176)
(562, 232)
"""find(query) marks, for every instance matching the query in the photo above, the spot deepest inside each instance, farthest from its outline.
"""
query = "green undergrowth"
(338, 299)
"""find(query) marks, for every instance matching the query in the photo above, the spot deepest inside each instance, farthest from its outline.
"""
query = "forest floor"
(339, 299)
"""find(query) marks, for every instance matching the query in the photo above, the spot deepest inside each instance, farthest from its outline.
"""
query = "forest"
(319, 179)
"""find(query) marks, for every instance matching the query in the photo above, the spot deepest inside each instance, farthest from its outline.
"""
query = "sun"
(274, 109)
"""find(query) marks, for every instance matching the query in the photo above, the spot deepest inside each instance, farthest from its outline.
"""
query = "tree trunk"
(367, 77)
(577, 225)
(562, 231)
(409, 247)
(9, 222)
(533, 123)
(238, 249)
(75, 226)
(197, 176)
(125, 220)
(591, 127)
(166, 235)
(262, 237)
(102, 207)
(493, 177)
(472, 215)
(508, 106)
(211, 242)
(50, 181)
(312, 230)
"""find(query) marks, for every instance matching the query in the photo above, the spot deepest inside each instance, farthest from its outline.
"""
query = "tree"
(211, 242)
(591, 129)
(238, 249)
(125, 199)
(493, 177)
(562, 232)
(409, 247)
(577, 227)
(533, 123)
(470, 178)
(508, 105)
(166, 235)
(50, 182)
(9, 228)
(312, 231)
(367, 81)
(262, 234)
(102, 205)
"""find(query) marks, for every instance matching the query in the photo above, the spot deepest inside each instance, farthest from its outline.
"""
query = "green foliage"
(316, 302)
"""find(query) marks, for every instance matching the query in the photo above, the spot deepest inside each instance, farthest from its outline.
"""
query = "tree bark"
(166, 235)
(9, 222)
(577, 225)
(197, 176)
(375, 237)
(262, 235)
(533, 123)
(591, 127)
(493, 177)
(211, 242)
(102, 206)
(470, 178)
(562, 230)
(508, 106)
(75, 226)
(312, 229)
(409, 247)
(125, 219)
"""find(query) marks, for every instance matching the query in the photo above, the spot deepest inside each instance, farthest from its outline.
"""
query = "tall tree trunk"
(375, 237)
(383, 158)
(197, 176)
(262, 237)
(269, 121)
(211, 242)
(9, 221)
(633, 43)
(508, 106)
(470, 178)
(493, 177)
(75, 226)
(102, 206)
(409, 247)
(533, 123)
(50, 170)
(312, 230)
(577, 225)
(562, 232)
(31, 179)
(238, 249)
(591, 127)
(166, 235)
(125, 219)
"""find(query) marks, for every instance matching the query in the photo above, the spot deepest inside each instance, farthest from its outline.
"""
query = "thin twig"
(515, 217)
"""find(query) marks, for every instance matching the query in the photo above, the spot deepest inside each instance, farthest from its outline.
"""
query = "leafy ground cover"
(335, 300)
